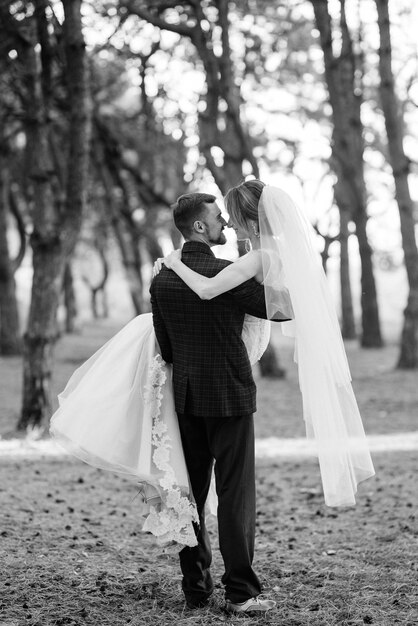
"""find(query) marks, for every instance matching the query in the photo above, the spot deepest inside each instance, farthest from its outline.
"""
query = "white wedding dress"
(117, 413)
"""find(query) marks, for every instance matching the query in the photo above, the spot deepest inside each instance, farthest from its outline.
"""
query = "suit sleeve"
(160, 329)
(250, 297)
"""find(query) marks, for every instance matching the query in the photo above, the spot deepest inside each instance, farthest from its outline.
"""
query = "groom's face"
(214, 225)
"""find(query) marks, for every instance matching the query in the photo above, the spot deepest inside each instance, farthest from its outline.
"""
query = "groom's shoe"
(252, 605)
(198, 604)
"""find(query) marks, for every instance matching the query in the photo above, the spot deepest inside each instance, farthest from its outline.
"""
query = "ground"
(72, 552)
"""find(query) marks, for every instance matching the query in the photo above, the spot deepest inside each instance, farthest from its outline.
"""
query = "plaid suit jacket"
(212, 375)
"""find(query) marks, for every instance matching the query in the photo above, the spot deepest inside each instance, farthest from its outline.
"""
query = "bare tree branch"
(114, 149)
(136, 7)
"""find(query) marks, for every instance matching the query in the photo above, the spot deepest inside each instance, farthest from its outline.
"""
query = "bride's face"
(240, 231)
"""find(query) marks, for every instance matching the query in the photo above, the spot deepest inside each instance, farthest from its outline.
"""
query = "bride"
(117, 410)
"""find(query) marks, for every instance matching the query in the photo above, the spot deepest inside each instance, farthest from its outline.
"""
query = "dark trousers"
(230, 441)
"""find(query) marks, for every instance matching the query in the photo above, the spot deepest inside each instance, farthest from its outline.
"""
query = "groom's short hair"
(189, 208)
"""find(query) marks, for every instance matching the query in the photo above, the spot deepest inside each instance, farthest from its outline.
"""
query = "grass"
(72, 552)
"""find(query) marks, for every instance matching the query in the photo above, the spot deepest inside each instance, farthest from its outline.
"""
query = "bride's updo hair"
(241, 202)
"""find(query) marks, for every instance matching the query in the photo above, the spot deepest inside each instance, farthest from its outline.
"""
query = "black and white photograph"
(208, 312)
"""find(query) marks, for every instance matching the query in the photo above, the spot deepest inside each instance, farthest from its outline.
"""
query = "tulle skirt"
(117, 413)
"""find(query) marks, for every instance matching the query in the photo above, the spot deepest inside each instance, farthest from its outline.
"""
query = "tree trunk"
(347, 155)
(371, 336)
(55, 226)
(269, 364)
(408, 357)
(70, 302)
(325, 254)
(46, 245)
(105, 304)
(99, 288)
(131, 259)
(153, 246)
(125, 237)
(127, 233)
(10, 339)
(348, 328)
(42, 331)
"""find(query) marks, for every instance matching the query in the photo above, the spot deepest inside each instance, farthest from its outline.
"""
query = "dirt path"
(73, 554)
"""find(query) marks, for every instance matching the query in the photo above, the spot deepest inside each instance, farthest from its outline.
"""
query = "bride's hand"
(168, 261)
(157, 267)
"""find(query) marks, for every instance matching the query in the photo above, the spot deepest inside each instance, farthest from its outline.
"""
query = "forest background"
(110, 110)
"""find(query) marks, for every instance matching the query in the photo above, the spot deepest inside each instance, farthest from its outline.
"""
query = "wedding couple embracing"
(170, 399)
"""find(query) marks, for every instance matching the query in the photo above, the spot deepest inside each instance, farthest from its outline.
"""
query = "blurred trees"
(400, 165)
(224, 141)
(50, 110)
(96, 144)
(137, 166)
(51, 66)
(10, 338)
(343, 76)
(281, 58)
(247, 52)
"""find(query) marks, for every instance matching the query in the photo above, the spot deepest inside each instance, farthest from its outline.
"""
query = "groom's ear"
(198, 226)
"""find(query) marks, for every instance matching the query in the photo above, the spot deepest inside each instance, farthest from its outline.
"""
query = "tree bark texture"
(70, 302)
(347, 155)
(112, 166)
(10, 337)
(100, 287)
(57, 211)
(124, 228)
(129, 244)
(41, 330)
(408, 357)
(348, 327)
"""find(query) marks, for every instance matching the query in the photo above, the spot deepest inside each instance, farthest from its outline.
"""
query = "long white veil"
(292, 267)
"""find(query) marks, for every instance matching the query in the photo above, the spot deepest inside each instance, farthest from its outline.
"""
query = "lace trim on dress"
(170, 520)
(256, 336)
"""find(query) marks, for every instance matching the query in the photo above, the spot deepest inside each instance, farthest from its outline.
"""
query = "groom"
(215, 398)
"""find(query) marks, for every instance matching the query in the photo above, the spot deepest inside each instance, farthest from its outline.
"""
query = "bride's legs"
(195, 562)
